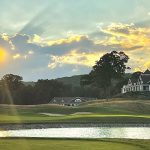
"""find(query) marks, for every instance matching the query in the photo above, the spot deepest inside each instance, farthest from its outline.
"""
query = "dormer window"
(129, 82)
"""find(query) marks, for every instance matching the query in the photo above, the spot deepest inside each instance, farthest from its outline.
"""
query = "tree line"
(14, 91)
(105, 80)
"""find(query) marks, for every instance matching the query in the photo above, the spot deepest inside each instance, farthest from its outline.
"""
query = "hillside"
(29, 83)
(73, 80)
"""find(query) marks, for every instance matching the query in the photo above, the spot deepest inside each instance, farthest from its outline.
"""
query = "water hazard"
(92, 132)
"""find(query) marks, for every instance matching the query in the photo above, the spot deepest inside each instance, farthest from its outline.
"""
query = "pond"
(90, 132)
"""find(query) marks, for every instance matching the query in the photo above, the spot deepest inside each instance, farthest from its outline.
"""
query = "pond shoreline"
(13, 126)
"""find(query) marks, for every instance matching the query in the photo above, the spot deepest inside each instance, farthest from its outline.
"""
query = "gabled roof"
(145, 78)
(147, 72)
(135, 77)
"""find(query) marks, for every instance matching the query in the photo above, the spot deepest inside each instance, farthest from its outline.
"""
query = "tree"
(47, 89)
(26, 96)
(12, 82)
(111, 66)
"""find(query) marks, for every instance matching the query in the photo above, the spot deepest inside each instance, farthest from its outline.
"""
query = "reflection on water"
(4, 134)
(103, 132)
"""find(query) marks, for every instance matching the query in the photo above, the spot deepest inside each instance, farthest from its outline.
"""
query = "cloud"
(128, 36)
(4, 42)
(118, 29)
(139, 60)
(5, 36)
(70, 39)
(147, 65)
(75, 58)
(16, 56)
(36, 39)
(30, 52)
(33, 53)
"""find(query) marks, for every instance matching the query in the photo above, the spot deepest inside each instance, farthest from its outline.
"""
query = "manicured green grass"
(66, 144)
(114, 111)
(75, 118)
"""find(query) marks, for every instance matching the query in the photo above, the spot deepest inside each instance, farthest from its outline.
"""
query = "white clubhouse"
(141, 84)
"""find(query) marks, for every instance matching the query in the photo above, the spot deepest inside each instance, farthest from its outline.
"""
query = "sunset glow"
(3, 56)
(59, 38)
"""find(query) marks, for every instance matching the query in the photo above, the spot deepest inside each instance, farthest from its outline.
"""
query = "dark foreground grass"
(73, 144)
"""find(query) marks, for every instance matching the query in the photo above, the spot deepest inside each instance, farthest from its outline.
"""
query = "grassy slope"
(64, 144)
(114, 111)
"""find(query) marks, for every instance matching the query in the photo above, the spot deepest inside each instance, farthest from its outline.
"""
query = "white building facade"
(141, 84)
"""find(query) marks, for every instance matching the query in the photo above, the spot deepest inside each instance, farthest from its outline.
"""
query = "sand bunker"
(52, 115)
(82, 113)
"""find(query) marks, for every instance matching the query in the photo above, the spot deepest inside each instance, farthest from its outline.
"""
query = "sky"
(47, 39)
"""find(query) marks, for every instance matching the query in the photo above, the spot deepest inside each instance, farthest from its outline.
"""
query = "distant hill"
(74, 80)
(29, 83)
